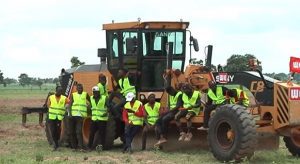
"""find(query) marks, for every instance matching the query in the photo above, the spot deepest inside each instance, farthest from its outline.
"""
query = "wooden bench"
(29, 110)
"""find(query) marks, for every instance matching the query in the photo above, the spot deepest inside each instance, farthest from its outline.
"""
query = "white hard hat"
(130, 96)
(95, 88)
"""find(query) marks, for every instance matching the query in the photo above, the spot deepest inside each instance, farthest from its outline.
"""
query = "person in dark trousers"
(175, 102)
(216, 96)
(57, 108)
(125, 85)
(152, 111)
(79, 102)
(102, 85)
(133, 114)
(99, 118)
(191, 107)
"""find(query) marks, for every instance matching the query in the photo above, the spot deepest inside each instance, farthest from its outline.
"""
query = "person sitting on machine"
(191, 107)
(216, 96)
(175, 102)
(152, 110)
(238, 96)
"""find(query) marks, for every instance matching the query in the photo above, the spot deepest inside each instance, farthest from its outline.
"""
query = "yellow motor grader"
(155, 53)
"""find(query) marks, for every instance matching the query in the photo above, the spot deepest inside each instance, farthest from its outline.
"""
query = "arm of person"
(48, 102)
(140, 111)
(70, 105)
(125, 116)
(198, 102)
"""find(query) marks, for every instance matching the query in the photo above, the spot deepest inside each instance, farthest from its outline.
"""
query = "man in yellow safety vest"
(216, 95)
(99, 117)
(102, 85)
(191, 107)
(57, 108)
(79, 102)
(152, 110)
(133, 114)
(238, 96)
(175, 102)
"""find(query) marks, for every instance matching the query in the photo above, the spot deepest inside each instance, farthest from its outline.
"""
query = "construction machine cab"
(144, 48)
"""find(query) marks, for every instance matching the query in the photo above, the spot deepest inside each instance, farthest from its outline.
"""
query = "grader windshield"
(145, 48)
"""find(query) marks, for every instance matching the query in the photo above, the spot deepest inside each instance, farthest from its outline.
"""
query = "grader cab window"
(130, 43)
(154, 43)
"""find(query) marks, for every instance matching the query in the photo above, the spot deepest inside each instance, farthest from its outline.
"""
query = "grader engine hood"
(287, 103)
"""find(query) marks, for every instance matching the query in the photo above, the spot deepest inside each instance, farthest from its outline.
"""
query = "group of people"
(184, 102)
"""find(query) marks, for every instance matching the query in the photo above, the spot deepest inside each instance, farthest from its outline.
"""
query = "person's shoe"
(124, 150)
(182, 136)
(99, 148)
(188, 137)
(129, 150)
(55, 148)
(159, 142)
(202, 128)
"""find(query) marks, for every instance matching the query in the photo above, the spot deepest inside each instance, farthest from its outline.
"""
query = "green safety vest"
(131, 116)
(99, 110)
(79, 107)
(153, 113)
(245, 100)
(217, 98)
(102, 89)
(57, 109)
(173, 100)
(189, 102)
(125, 86)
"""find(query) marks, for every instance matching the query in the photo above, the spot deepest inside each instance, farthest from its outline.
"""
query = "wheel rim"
(225, 135)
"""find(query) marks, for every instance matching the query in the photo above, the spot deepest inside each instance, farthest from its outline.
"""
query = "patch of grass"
(27, 92)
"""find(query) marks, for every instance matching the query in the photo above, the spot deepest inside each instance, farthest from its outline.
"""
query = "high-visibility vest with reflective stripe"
(102, 89)
(173, 100)
(125, 86)
(245, 100)
(189, 102)
(131, 116)
(217, 98)
(153, 113)
(57, 109)
(99, 110)
(79, 107)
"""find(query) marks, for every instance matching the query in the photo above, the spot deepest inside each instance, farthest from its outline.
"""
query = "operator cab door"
(122, 51)
(154, 57)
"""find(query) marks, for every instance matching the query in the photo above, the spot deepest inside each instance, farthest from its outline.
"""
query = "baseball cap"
(130, 96)
(95, 88)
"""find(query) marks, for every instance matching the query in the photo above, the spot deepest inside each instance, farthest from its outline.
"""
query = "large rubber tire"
(292, 145)
(232, 133)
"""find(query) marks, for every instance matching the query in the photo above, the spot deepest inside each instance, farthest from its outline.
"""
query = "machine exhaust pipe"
(208, 56)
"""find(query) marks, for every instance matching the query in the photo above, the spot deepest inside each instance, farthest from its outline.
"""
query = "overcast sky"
(39, 37)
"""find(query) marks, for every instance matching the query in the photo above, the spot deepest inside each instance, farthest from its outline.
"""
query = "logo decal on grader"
(224, 78)
(295, 93)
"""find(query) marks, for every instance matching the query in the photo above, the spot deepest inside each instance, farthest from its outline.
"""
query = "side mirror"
(102, 53)
(195, 44)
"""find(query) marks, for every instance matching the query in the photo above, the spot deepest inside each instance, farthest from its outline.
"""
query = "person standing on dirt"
(57, 108)
(133, 114)
(152, 110)
(79, 102)
(175, 102)
(238, 96)
(216, 96)
(99, 117)
(102, 85)
(191, 107)
(125, 86)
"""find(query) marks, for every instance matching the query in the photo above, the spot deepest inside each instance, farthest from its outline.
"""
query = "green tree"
(9, 81)
(239, 63)
(1, 77)
(24, 79)
(38, 82)
(76, 62)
